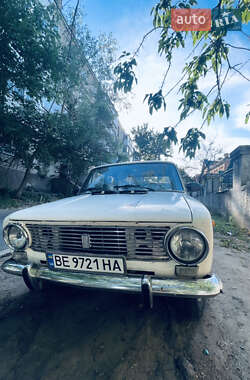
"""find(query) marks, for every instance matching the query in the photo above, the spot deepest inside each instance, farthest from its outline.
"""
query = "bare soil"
(67, 333)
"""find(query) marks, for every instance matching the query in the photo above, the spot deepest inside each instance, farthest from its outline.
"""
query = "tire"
(189, 308)
(147, 298)
(195, 307)
(33, 284)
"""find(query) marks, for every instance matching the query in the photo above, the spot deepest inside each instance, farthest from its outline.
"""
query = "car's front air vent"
(111, 240)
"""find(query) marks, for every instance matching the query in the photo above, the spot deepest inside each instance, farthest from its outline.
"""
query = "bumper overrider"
(202, 287)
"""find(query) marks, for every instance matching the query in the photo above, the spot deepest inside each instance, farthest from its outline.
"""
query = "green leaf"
(191, 142)
(125, 76)
(247, 117)
(221, 110)
(245, 16)
(155, 101)
(227, 109)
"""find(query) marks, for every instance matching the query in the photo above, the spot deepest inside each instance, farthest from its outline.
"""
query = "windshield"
(148, 176)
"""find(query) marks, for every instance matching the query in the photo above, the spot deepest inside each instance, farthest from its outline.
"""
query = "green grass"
(28, 198)
(7, 202)
(230, 234)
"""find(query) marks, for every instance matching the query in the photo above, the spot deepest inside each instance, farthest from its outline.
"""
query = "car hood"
(149, 207)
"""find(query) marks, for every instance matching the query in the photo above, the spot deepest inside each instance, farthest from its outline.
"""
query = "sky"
(129, 20)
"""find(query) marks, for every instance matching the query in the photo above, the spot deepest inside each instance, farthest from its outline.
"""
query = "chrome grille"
(127, 241)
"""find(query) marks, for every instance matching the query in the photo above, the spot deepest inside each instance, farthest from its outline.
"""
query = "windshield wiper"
(99, 190)
(133, 188)
(118, 189)
(90, 189)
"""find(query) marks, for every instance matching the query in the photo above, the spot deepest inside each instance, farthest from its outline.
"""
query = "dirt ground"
(68, 333)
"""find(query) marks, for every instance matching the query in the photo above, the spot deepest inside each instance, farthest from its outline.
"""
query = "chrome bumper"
(202, 287)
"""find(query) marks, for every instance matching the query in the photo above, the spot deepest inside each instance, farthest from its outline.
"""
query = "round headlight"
(15, 236)
(186, 245)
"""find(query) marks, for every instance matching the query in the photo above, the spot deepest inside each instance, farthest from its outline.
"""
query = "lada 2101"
(132, 228)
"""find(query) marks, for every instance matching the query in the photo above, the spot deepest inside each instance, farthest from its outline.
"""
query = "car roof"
(135, 162)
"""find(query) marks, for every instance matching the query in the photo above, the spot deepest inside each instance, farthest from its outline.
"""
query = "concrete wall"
(11, 178)
(233, 202)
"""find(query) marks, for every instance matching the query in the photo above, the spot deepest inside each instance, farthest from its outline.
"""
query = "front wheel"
(33, 284)
(189, 308)
(195, 307)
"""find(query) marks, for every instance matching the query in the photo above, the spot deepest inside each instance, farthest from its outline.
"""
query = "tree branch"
(225, 77)
(176, 84)
(166, 73)
(195, 109)
(234, 68)
(52, 103)
(10, 88)
(183, 76)
(72, 36)
(237, 47)
(238, 71)
(144, 37)
(45, 109)
(217, 74)
(67, 2)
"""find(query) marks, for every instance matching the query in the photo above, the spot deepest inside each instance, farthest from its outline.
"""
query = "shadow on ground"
(67, 333)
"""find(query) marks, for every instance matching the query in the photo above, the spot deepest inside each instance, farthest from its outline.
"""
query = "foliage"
(150, 145)
(52, 108)
(247, 117)
(30, 67)
(98, 51)
(125, 74)
(230, 234)
(30, 134)
(28, 131)
(191, 142)
(29, 198)
(213, 57)
(29, 49)
(85, 138)
(155, 101)
(120, 153)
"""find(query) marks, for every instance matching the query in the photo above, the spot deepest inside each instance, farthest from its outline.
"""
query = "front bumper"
(202, 287)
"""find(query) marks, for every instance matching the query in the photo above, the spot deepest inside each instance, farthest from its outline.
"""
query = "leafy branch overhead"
(191, 142)
(155, 101)
(151, 145)
(125, 74)
(211, 54)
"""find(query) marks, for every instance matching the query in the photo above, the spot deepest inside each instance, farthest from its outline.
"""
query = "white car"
(133, 228)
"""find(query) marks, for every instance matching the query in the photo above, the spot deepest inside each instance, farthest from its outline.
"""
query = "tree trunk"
(24, 180)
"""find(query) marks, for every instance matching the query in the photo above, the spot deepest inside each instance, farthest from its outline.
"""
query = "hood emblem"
(85, 241)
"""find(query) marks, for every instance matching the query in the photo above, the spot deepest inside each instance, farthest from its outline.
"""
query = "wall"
(11, 178)
(233, 202)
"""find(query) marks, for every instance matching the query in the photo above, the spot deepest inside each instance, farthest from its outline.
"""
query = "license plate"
(86, 263)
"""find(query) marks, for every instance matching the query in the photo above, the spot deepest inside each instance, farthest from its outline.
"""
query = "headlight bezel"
(199, 259)
(6, 231)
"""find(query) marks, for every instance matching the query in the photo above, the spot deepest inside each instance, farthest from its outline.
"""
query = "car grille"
(128, 241)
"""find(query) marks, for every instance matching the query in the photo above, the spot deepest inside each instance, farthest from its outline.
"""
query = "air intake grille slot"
(126, 241)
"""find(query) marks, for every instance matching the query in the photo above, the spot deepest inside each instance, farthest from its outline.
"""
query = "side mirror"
(193, 186)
